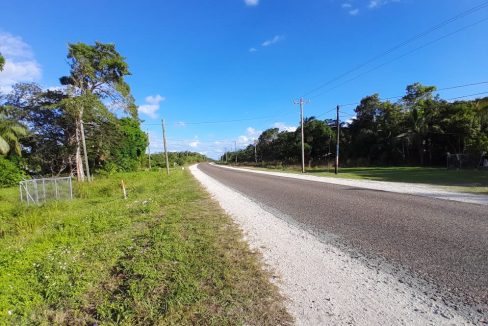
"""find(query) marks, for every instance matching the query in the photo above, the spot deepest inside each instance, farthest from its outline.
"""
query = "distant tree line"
(419, 129)
(175, 159)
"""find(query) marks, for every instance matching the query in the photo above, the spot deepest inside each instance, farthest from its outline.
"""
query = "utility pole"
(338, 125)
(149, 151)
(165, 147)
(82, 129)
(226, 155)
(256, 151)
(235, 149)
(301, 102)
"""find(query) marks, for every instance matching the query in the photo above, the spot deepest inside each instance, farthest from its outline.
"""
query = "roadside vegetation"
(166, 255)
(420, 129)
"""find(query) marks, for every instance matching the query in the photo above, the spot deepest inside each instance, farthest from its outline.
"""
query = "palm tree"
(10, 134)
(417, 131)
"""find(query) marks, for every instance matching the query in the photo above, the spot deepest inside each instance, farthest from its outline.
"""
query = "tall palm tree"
(10, 134)
(417, 131)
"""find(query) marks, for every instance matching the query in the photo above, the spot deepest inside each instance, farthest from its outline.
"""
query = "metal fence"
(37, 191)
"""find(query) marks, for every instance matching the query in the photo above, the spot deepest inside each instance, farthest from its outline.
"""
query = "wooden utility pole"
(85, 153)
(149, 151)
(301, 102)
(165, 147)
(235, 149)
(338, 125)
(256, 151)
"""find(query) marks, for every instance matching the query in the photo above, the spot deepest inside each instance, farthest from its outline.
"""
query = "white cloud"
(251, 2)
(152, 105)
(283, 127)
(194, 144)
(346, 5)
(20, 64)
(181, 124)
(274, 40)
(243, 140)
(253, 133)
(379, 3)
(354, 12)
(253, 50)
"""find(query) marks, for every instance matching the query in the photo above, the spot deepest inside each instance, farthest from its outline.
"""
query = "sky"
(221, 71)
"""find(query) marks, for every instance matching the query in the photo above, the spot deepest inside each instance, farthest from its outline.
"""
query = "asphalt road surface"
(441, 241)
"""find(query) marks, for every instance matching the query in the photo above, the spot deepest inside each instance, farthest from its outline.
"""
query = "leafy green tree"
(47, 148)
(10, 134)
(2, 62)
(96, 78)
(10, 173)
(421, 106)
(318, 137)
(131, 146)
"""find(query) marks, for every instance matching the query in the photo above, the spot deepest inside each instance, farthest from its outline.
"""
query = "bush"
(10, 174)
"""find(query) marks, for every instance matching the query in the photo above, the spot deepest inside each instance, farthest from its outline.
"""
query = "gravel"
(325, 284)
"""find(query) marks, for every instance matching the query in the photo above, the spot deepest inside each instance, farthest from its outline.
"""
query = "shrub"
(10, 174)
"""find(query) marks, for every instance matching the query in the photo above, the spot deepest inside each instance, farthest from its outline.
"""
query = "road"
(441, 241)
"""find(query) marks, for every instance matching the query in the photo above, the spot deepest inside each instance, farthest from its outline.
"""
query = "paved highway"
(441, 241)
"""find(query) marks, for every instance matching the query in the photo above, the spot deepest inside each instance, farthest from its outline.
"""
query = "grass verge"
(471, 181)
(166, 255)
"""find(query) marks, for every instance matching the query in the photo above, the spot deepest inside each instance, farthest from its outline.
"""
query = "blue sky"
(195, 61)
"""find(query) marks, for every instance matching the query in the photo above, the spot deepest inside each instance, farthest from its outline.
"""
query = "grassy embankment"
(166, 255)
(473, 181)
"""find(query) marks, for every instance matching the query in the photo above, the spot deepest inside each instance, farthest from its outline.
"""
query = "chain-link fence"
(37, 191)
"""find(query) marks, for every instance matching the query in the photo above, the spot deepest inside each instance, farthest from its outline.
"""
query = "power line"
(395, 97)
(400, 57)
(438, 90)
(402, 44)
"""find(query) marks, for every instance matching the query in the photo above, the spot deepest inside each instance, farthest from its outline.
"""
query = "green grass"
(166, 255)
(473, 181)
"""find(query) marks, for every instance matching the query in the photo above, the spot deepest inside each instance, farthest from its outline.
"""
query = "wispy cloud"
(378, 3)
(253, 50)
(251, 3)
(354, 12)
(284, 127)
(152, 105)
(194, 144)
(20, 65)
(251, 135)
(180, 124)
(274, 40)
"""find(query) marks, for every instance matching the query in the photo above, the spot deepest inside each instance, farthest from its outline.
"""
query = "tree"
(2, 62)
(131, 144)
(10, 134)
(318, 136)
(47, 148)
(421, 105)
(96, 78)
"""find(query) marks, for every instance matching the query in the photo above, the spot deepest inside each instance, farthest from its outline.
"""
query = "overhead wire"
(402, 44)
(400, 57)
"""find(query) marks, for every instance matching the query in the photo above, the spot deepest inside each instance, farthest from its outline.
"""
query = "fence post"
(20, 188)
(70, 188)
(43, 190)
(37, 193)
(56, 188)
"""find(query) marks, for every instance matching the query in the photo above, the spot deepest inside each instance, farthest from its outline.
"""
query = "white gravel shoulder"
(324, 285)
(398, 187)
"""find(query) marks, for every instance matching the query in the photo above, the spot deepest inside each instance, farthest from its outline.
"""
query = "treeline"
(174, 158)
(419, 129)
